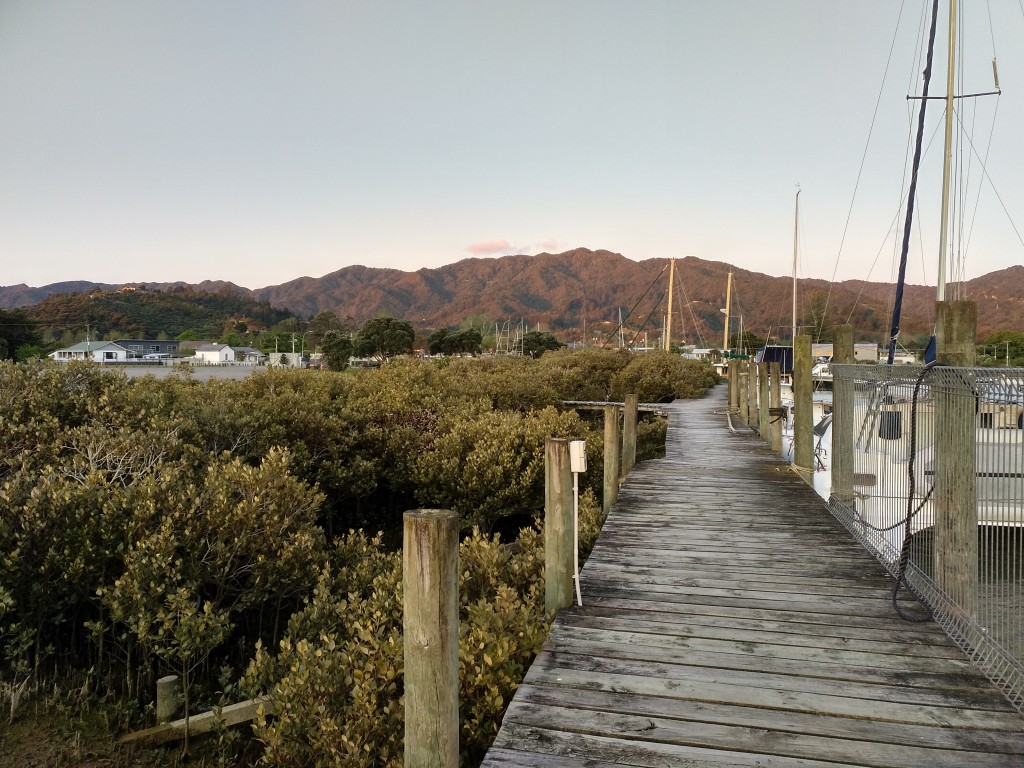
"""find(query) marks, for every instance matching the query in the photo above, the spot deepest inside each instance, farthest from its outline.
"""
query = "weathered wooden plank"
(515, 737)
(776, 637)
(698, 618)
(956, 679)
(233, 714)
(754, 688)
(794, 722)
(758, 741)
(679, 604)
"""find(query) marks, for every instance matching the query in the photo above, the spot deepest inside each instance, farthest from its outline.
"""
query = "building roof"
(91, 346)
(211, 347)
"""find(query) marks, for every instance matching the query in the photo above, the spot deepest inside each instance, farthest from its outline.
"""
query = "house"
(214, 354)
(249, 356)
(95, 351)
(149, 347)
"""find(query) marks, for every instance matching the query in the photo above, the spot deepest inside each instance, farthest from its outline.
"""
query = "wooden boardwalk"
(729, 620)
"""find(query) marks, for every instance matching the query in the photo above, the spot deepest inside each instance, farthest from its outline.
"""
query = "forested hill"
(565, 291)
(143, 313)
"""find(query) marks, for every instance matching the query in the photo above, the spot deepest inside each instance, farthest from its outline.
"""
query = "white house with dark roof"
(95, 351)
(214, 354)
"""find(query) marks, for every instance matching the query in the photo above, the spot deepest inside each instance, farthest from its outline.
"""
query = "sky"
(259, 142)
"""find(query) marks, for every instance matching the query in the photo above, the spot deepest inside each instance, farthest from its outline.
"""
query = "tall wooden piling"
(430, 557)
(733, 383)
(611, 456)
(775, 403)
(842, 416)
(763, 411)
(803, 409)
(742, 384)
(955, 496)
(629, 419)
(558, 530)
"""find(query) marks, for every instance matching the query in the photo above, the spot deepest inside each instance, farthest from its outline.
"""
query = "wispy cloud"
(490, 247)
(548, 246)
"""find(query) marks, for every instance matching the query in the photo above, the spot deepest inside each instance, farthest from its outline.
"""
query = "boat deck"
(729, 620)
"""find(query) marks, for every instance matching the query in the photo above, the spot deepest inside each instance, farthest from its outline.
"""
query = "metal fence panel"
(928, 442)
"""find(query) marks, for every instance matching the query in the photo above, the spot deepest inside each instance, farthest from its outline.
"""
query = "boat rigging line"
(894, 330)
(654, 282)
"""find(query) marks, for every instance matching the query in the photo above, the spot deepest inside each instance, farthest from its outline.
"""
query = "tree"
(468, 341)
(536, 343)
(1007, 346)
(16, 329)
(337, 349)
(319, 326)
(27, 351)
(749, 342)
(440, 342)
(383, 338)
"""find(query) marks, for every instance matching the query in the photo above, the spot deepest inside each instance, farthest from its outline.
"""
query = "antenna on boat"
(796, 240)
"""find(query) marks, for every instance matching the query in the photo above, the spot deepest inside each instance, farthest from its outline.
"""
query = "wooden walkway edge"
(729, 620)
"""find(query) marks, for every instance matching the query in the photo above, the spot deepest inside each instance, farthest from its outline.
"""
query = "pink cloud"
(490, 246)
(548, 246)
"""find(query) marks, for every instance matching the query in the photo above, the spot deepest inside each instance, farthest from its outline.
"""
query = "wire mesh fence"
(929, 475)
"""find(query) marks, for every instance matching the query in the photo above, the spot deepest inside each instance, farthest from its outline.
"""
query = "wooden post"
(743, 376)
(763, 418)
(842, 416)
(611, 456)
(803, 409)
(558, 533)
(775, 401)
(168, 698)
(955, 497)
(629, 417)
(734, 386)
(430, 554)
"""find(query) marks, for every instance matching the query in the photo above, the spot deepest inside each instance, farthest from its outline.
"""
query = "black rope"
(901, 568)
(898, 303)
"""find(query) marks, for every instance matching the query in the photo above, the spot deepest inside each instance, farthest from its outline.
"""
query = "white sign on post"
(577, 464)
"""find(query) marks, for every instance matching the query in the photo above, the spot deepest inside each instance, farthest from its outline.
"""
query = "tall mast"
(796, 236)
(948, 156)
(728, 309)
(668, 319)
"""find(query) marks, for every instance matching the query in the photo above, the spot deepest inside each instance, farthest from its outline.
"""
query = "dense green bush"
(661, 377)
(152, 526)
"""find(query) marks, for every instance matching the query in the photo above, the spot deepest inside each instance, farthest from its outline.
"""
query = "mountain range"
(568, 291)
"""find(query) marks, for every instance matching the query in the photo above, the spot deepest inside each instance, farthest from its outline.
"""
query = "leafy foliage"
(383, 338)
(336, 346)
(536, 343)
(662, 377)
(172, 525)
(144, 313)
(18, 332)
(446, 342)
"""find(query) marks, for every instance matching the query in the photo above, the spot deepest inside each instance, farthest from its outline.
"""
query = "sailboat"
(895, 434)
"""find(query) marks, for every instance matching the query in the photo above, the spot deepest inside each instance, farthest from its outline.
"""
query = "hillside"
(145, 313)
(562, 292)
